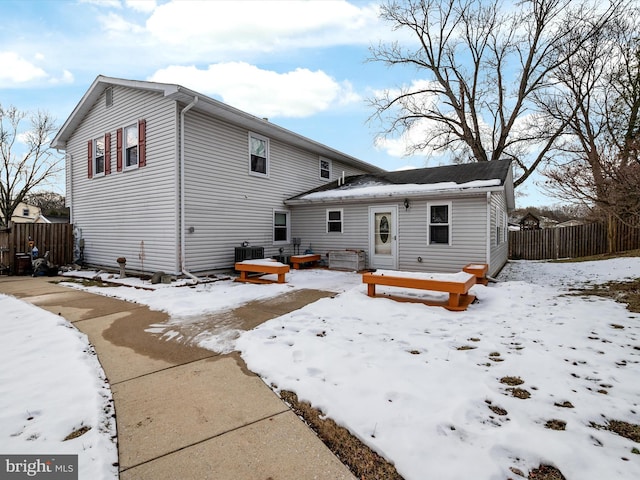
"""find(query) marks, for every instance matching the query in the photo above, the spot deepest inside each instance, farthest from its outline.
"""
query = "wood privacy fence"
(55, 238)
(572, 242)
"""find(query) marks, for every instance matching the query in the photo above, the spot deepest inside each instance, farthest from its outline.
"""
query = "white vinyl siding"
(132, 215)
(499, 252)
(227, 207)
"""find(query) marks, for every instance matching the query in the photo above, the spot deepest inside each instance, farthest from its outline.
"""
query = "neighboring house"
(431, 219)
(25, 213)
(570, 223)
(173, 180)
(530, 222)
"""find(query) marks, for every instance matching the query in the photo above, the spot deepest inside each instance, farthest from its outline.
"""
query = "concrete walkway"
(183, 412)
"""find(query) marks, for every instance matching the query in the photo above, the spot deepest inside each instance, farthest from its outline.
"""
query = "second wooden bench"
(457, 285)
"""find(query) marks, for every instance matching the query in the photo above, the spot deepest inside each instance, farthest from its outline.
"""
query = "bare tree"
(484, 65)
(598, 95)
(27, 160)
(50, 203)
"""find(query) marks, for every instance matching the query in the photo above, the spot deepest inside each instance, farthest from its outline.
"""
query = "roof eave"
(451, 192)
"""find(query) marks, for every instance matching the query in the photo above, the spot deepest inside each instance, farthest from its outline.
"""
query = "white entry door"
(383, 237)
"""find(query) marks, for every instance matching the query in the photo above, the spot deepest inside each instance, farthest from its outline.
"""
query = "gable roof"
(206, 105)
(462, 179)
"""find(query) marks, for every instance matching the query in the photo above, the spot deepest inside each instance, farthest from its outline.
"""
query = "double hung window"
(258, 155)
(334, 220)
(439, 224)
(131, 146)
(281, 227)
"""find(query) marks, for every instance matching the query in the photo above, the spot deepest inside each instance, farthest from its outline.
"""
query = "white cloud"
(104, 3)
(145, 6)
(260, 26)
(265, 93)
(16, 69)
(115, 23)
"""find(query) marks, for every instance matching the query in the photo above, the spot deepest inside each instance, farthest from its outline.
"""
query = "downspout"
(182, 222)
(489, 229)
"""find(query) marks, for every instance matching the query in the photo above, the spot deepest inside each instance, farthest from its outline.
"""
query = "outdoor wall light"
(406, 204)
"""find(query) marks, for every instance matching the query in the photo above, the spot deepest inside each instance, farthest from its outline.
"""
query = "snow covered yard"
(530, 374)
(54, 398)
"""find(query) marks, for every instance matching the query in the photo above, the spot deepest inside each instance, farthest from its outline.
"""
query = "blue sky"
(303, 65)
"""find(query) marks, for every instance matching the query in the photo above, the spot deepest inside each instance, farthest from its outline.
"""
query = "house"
(176, 181)
(430, 219)
(25, 213)
(529, 222)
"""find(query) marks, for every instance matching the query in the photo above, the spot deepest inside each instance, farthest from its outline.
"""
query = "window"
(280, 226)
(98, 156)
(501, 222)
(334, 221)
(259, 154)
(439, 222)
(25, 212)
(131, 146)
(325, 168)
(108, 97)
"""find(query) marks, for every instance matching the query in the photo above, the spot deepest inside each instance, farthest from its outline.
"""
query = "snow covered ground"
(51, 385)
(421, 385)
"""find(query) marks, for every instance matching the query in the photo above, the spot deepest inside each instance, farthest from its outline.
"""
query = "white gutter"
(182, 222)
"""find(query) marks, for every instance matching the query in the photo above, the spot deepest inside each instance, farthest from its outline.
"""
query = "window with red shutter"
(107, 153)
(90, 159)
(142, 143)
(119, 150)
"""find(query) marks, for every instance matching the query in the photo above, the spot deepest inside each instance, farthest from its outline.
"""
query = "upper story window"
(25, 212)
(259, 154)
(108, 97)
(439, 224)
(98, 156)
(334, 220)
(325, 168)
(131, 146)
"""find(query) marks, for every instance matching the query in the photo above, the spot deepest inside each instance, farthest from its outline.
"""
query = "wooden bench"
(252, 270)
(457, 285)
(479, 270)
(299, 260)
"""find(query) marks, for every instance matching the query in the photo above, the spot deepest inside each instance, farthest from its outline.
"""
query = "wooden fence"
(55, 238)
(572, 242)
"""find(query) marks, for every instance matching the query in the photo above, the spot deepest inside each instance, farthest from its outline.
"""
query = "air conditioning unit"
(248, 253)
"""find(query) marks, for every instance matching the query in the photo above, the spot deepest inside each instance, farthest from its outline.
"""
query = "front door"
(383, 231)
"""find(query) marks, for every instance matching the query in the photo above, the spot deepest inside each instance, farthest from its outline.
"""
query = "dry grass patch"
(512, 381)
(546, 472)
(361, 460)
(625, 429)
(520, 393)
(77, 433)
(555, 424)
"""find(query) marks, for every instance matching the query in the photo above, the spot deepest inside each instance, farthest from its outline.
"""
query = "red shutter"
(90, 160)
(142, 143)
(119, 150)
(107, 153)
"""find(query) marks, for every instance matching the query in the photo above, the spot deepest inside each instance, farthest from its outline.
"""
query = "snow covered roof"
(469, 178)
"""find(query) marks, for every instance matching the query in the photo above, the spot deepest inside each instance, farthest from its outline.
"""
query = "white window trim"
(95, 156)
(267, 153)
(449, 223)
(323, 159)
(273, 227)
(124, 146)
(341, 210)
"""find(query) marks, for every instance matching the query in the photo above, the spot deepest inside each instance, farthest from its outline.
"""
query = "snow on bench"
(298, 260)
(457, 285)
(260, 267)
